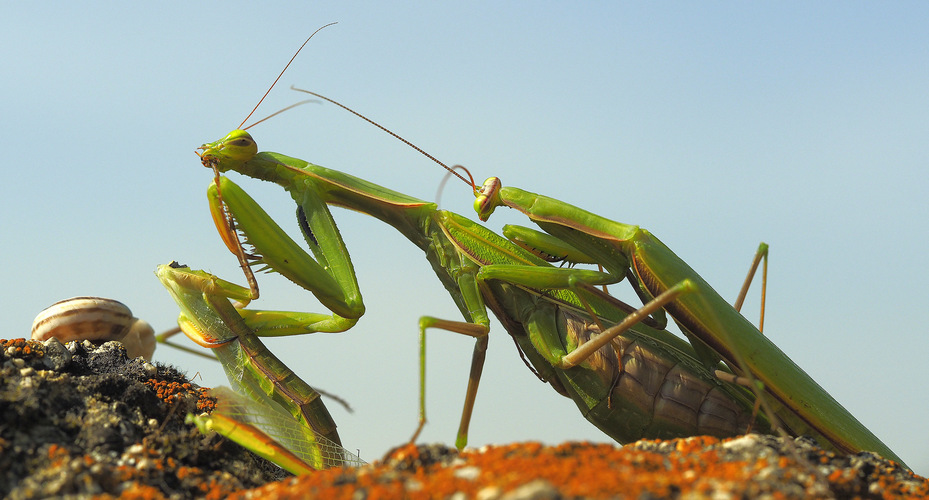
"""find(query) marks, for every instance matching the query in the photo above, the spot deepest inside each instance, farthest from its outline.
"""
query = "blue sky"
(802, 125)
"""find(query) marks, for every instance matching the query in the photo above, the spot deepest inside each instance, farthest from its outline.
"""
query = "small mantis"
(210, 319)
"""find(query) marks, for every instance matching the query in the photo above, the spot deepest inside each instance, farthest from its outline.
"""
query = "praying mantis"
(715, 329)
(548, 310)
(279, 400)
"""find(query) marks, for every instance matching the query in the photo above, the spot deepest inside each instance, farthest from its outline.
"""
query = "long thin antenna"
(272, 115)
(438, 192)
(282, 74)
(401, 139)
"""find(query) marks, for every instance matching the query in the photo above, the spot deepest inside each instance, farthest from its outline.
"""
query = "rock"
(80, 420)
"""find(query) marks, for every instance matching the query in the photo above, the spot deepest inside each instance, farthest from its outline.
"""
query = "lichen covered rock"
(86, 420)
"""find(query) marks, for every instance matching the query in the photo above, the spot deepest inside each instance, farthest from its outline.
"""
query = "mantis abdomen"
(670, 397)
(635, 387)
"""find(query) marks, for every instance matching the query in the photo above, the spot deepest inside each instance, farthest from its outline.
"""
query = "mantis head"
(207, 317)
(488, 198)
(229, 152)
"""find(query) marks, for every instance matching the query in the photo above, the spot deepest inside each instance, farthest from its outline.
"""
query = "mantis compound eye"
(488, 197)
(242, 144)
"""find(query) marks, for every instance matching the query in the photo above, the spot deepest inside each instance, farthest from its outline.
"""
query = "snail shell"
(94, 319)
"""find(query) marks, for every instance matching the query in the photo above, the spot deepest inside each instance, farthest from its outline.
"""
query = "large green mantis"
(714, 328)
(549, 311)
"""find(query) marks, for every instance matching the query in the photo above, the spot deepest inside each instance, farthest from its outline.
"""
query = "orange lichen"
(693, 467)
(169, 392)
(205, 402)
(57, 455)
(137, 491)
(22, 348)
(184, 472)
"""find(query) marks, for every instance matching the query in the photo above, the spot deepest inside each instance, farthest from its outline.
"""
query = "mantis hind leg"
(761, 255)
(473, 307)
(477, 330)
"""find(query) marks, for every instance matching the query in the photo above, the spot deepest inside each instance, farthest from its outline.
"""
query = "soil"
(81, 420)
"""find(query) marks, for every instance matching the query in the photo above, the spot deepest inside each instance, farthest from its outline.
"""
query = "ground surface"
(81, 420)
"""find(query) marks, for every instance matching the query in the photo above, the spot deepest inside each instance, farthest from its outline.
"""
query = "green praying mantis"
(715, 329)
(551, 312)
(478, 266)
(272, 396)
(628, 376)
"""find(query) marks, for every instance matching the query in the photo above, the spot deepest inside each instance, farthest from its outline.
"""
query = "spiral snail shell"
(95, 319)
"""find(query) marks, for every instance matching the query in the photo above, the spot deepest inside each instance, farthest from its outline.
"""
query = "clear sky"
(802, 125)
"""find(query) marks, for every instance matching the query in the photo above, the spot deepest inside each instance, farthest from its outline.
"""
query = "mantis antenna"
(239, 251)
(469, 181)
(272, 115)
(279, 77)
(438, 191)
